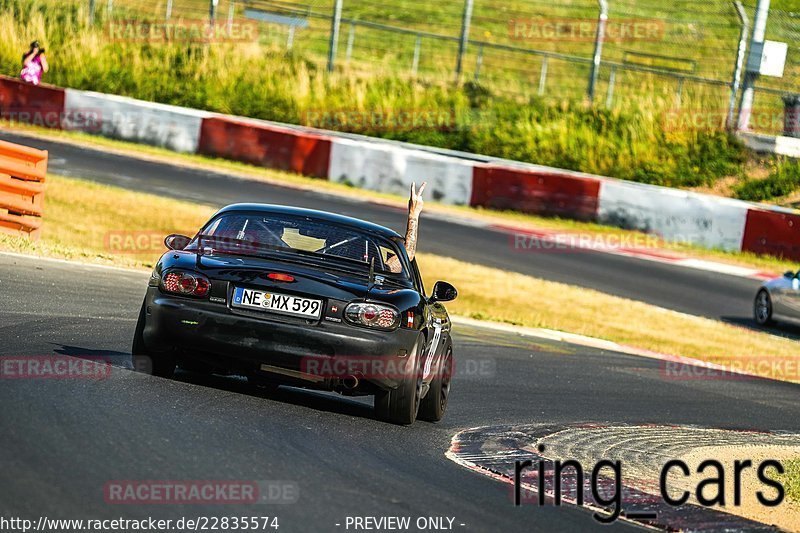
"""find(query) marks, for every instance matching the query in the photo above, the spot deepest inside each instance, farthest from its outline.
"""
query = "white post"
(462, 43)
(334, 41)
(737, 71)
(612, 78)
(479, 63)
(350, 38)
(750, 76)
(543, 76)
(598, 47)
(415, 62)
(212, 11)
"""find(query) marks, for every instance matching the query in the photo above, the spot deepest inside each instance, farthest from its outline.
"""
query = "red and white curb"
(494, 451)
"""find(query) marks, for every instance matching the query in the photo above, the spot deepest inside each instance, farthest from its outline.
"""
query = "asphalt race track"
(63, 440)
(691, 291)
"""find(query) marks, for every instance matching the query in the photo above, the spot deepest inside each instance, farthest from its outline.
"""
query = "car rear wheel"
(401, 405)
(762, 308)
(157, 364)
(434, 405)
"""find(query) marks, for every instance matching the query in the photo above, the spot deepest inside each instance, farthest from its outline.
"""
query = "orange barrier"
(22, 175)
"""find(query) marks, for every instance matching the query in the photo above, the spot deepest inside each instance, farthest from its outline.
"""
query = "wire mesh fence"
(681, 55)
(770, 91)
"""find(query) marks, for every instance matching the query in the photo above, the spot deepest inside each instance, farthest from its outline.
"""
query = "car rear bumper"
(322, 353)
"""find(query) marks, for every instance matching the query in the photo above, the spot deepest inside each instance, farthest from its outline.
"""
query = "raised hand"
(415, 202)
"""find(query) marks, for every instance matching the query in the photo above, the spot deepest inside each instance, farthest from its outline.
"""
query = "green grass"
(783, 179)
(699, 39)
(791, 480)
(629, 141)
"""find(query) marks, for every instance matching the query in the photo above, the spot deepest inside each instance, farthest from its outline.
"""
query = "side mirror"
(788, 274)
(443, 292)
(176, 241)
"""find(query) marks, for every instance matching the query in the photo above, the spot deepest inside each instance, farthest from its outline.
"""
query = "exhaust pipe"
(350, 382)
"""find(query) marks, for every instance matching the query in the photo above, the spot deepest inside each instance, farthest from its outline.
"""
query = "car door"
(439, 326)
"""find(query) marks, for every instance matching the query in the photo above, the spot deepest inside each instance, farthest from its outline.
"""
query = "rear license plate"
(276, 303)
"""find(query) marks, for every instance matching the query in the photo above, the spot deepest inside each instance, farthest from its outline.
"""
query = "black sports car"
(300, 297)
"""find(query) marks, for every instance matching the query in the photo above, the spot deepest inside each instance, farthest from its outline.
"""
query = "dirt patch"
(721, 187)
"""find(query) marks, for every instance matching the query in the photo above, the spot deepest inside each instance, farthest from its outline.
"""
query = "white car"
(778, 299)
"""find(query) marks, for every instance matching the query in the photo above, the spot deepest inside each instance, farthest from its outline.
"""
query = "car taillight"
(372, 315)
(277, 276)
(186, 283)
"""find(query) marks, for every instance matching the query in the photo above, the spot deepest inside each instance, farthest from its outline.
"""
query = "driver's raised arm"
(414, 209)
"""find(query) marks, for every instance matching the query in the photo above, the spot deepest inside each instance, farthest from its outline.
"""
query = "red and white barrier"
(384, 166)
(771, 144)
(264, 144)
(42, 105)
(391, 169)
(543, 192)
(674, 214)
(127, 119)
(772, 232)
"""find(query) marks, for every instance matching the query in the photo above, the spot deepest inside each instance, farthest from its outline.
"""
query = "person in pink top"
(34, 64)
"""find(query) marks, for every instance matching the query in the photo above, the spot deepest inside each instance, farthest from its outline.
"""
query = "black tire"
(434, 404)
(401, 405)
(157, 364)
(762, 308)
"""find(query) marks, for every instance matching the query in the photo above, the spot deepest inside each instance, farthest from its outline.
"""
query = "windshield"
(255, 234)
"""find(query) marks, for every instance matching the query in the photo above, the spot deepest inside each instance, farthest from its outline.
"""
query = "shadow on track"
(120, 359)
(317, 400)
(312, 399)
